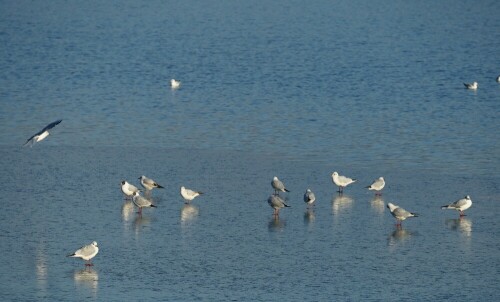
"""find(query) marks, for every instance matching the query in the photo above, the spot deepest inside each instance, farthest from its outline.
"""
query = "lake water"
(287, 89)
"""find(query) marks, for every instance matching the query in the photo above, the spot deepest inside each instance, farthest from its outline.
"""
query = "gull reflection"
(87, 278)
(341, 203)
(188, 213)
(127, 210)
(276, 224)
(41, 267)
(398, 236)
(462, 224)
(378, 205)
(309, 216)
(140, 222)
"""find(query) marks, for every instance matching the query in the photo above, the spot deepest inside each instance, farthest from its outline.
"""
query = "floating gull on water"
(42, 134)
(377, 185)
(188, 194)
(142, 202)
(276, 203)
(472, 86)
(278, 186)
(460, 205)
(174, 84)
(309, 197)
(341, 181)
(498, 79)
(128, 189)
(399, 213)
(86, 252)
(148, 183)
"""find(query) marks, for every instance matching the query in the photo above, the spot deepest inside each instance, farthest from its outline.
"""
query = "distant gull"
(42, 134)
(278, 186)
(341, 181)
(498, 79)
(377, 185)
(174, 84)
(148, 183)
(399, 213)
(309, 197)
(188, 194)
(460, 205)
(142, 202)
(276, 203)
(472, 86)
(128, 189)
(86, 252)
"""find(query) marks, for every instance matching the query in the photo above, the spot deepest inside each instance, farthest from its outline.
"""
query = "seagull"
(278, 186)
(174, 84)
(341, 181)
(148, 183)
(42, 134)
(498, 79)
(141, 202)
(472, 86)
(460, 205)
(188, 194)
(377, 185)
(86, 252)
(399, 213)
(128, 189)
(276, 203)
(309, 197)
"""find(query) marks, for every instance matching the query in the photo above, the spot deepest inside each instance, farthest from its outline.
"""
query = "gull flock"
(275, 201)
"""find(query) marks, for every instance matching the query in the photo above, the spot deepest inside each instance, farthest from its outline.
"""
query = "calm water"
(366, 88)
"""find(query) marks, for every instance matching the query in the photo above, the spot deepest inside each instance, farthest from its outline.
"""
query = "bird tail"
(153, 206)
(444, 207)
(286, 190)
(71, 255)
(414, 214)
(201, 193)
(368, 187)
(354, 180)
(160, 187)
(286, 206)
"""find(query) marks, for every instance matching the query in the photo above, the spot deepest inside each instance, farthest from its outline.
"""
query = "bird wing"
(51, 125)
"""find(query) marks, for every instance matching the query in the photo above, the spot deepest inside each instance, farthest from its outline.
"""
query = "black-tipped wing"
(51, 125)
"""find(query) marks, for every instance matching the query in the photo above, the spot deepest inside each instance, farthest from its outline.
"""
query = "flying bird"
(42, 134)
(399, 213)
(86, 252)
(460, 205)
(341, 181)
(278, 186)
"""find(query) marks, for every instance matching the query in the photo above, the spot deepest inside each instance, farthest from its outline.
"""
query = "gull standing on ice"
(309, 197)
(377, 185)
(276, 203)
(472, 86)
(399, 213)
(128, 189)
(460, 205)
(341, 181)
(278, 186)
(86, 252)
(188, 194)
(142, 202)
(174, 84)
(42, 134)
(148, 183)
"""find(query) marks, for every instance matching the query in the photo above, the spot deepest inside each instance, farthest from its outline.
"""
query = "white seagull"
(188, 194)
(174, 84)
(276, 203)
(460, 205)
(42, 134)
(377, 185)
(309, 197)
(86, 252)
(399, 213)
(472, 86)
(341, 181)
(148, 183)
(278, 186)
(141, 202)
(498, 79)
(128, 189)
